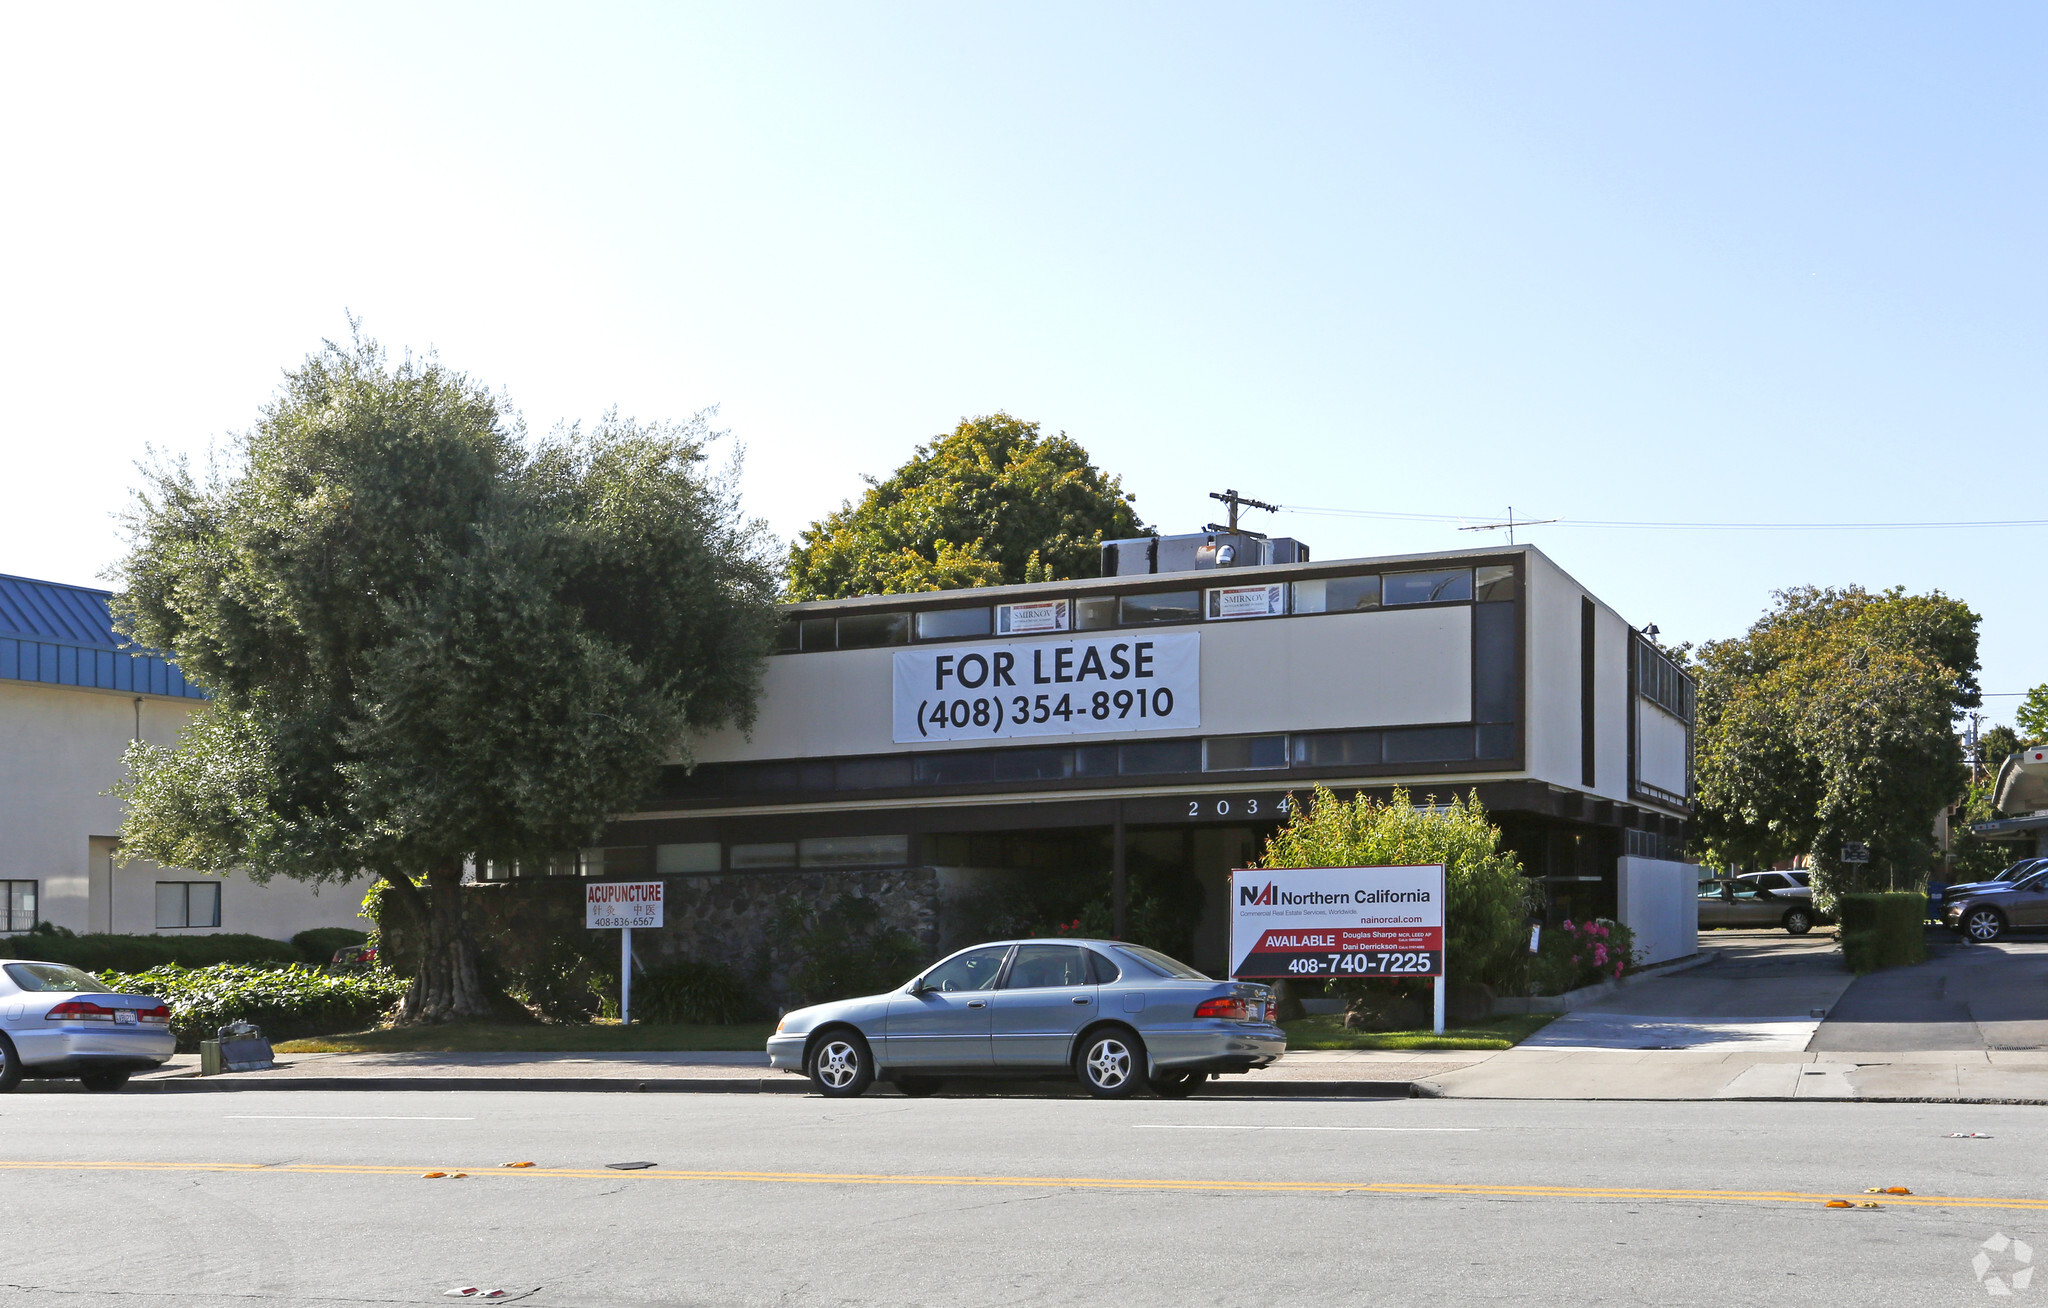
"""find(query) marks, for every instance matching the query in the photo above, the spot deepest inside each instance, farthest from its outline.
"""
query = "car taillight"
(79, 1010)
(1233, 1010)
(158, 1016)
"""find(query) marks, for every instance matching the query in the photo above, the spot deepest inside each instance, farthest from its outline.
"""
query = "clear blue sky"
(1646, 262)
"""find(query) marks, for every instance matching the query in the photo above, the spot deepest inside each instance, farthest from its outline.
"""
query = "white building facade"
(72, 698)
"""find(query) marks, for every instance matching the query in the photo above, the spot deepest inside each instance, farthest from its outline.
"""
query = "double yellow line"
(1071, 1183)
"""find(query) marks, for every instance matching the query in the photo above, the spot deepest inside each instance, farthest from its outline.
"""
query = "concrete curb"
(787, 1085)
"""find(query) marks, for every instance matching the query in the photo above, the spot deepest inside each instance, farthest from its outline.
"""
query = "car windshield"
(52, 976)
(1161, 964)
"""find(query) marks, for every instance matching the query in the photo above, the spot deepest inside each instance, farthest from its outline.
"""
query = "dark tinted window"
(1034, 764)
(1494, 683)
(1336, 748)
(1337, 595)
(867, 630)
(1497, 741)
(1494, 583)
(954, 769)
(1240, 753)
(1429, 745)
(1101, 969)
(817, 634)
(1095, 614)
(1095, 760)
(789, 636)
(1427, 587)
(874, 773)
(1142, 757)
(938, 624)
(1165, 606)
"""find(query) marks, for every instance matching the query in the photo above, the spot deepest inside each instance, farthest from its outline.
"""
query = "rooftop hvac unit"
(1197, 552)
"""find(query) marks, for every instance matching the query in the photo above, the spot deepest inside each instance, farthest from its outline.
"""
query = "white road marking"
(1179, 1126)
(317, 1117)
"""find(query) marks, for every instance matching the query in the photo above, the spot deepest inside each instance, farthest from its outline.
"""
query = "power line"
(1475, 522)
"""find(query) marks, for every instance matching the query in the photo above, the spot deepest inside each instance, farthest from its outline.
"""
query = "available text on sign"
(1123, 682)
(611, 905)
(1337, 922)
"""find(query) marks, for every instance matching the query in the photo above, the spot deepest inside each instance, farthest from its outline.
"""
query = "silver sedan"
(1116, 1017)
(56, 1021)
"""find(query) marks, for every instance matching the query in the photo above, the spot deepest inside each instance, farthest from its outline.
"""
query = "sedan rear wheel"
(841, 1066)
(1111, 1063)
(1983, 925)
(10, 1065)
(1799, 921)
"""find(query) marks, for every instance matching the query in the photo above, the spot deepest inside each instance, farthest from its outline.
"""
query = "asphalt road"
(1964, 997)
(262, 1198)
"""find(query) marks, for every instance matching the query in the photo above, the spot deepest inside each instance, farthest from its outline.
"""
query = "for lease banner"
(1120, 681)
(609, 905)
(1337, 922)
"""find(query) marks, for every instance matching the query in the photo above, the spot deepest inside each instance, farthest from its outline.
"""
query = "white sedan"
(56, 1021)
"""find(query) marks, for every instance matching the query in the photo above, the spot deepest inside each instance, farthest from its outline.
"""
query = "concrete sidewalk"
(1335, 1074)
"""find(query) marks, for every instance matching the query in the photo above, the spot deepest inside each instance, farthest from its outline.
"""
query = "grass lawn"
(512, 1037)
(1326, 1031)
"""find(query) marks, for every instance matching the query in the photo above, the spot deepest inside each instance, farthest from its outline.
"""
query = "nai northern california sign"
(1074, 685)
(1337, 922)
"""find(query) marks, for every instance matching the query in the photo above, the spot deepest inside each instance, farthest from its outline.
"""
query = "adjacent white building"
(72, 697)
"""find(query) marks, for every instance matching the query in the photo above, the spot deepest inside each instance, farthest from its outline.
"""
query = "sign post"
(1339, 923)
(624, 905)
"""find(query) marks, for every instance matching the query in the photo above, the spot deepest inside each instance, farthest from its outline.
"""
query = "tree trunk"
(446, 988)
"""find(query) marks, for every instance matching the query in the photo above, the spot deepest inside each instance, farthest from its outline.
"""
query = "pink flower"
(1600, 956)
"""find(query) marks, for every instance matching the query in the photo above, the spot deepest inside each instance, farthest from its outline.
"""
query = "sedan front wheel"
(841, 1066)
(10, 1065)
(1111, 1063)
(1799, 921)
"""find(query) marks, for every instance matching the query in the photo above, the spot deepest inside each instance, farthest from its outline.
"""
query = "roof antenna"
(1234, 500)
(1510, 524)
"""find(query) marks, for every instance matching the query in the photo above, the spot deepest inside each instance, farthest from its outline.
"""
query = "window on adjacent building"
(1427, 587)
(943, 624)
(1337, 749)
(1337, 595)
(682, 860)
(815, 634)
(874, 773)
(187, 904)
(17, 905)
(1149, 756)
(1034, 764)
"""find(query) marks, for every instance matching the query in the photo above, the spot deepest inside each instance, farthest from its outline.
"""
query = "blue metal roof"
(64, 636)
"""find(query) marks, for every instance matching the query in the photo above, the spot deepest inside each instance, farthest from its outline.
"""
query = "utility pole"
(1510, 524)
(1233, 499)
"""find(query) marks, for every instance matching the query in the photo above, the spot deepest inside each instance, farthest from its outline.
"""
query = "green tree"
(1832, 720)
(990, 503)
(2032, 718)
(430, 642)
(1994, 744)
(1489, 900)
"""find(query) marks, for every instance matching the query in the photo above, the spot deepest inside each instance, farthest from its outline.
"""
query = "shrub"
(844, 949)
(1489, 900)
(103, 952)
(1882, 930)
(689, 991)
(319, 945)
(1584, 953)
(287, 1002)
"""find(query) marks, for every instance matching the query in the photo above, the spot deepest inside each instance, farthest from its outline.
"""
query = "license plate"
(124, 1017)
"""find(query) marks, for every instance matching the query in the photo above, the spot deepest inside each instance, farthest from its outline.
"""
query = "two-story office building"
(1147, 729)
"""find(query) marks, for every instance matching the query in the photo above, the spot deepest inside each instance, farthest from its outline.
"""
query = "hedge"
(103, 952)
(319, 945)
(1882, 930)
(287, 1002)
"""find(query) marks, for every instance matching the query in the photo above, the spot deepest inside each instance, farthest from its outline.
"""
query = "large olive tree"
(430, 641)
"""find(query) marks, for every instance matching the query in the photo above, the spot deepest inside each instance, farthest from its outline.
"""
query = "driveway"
(1980, 997)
